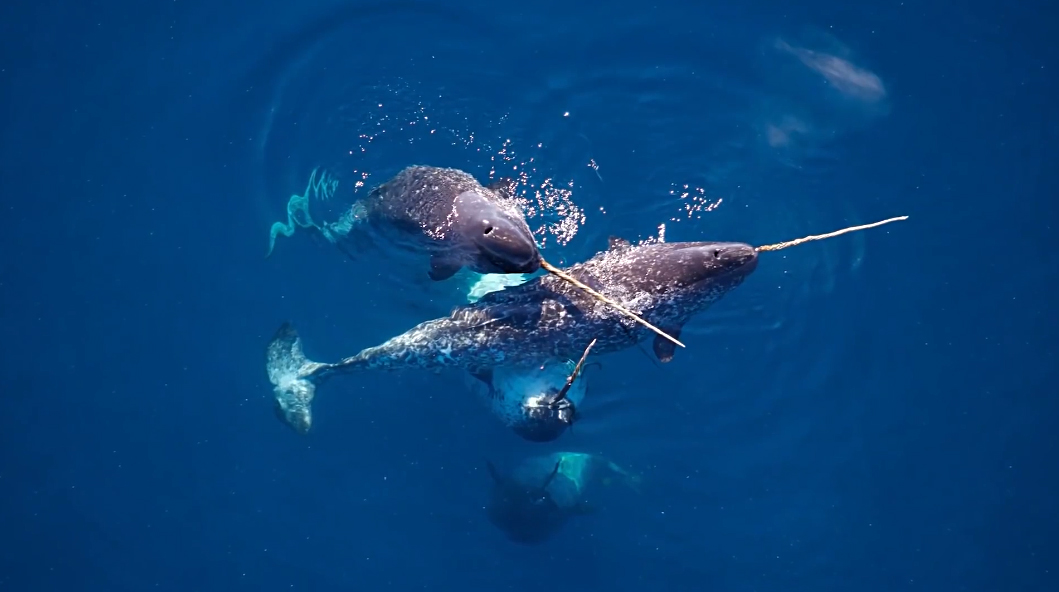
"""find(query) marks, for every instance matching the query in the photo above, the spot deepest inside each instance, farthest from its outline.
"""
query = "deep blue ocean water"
(867, 413)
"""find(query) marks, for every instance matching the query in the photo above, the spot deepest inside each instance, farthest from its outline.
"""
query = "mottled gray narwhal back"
(461, 223)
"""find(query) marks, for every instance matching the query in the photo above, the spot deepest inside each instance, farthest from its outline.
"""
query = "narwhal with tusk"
(447, 214)
(537, 322)
(533, 502)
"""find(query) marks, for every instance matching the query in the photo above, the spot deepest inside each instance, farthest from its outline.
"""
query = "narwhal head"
(541, 403)
(524, 512)
(545, 416)
(680, 278)
(495, 234)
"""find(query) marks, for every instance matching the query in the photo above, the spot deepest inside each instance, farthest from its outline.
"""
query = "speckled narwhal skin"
(447, 213)
(543, 320)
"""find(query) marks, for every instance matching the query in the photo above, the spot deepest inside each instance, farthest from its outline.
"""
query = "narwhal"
(444, 213)
(538, 322)
(542, 493)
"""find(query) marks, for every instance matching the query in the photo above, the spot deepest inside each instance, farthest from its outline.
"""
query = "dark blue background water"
(875, 412)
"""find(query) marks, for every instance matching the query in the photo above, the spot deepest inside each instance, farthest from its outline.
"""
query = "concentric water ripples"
(602, 148)
(762, 166)
(361, 124)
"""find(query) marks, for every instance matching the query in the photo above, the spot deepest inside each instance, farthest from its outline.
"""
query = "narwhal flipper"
(493, 282)
(290, 373)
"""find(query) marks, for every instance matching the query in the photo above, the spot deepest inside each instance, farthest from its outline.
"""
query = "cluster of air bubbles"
(548, 200)
(384, 123)
(387, 126)
(693, 201)
(655, 239)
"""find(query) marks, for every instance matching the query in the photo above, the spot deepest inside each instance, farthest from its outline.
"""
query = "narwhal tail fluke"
(292, 378)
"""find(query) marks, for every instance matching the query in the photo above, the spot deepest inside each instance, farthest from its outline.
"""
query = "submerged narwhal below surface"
(539, 404)
(543, 320)
(442, 212)
(541, 494)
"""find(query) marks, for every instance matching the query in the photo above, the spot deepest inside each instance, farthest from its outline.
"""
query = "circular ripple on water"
(368, 91)
(731, 135)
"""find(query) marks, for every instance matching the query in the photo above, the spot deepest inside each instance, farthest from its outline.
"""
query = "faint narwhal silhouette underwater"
(542, 493)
